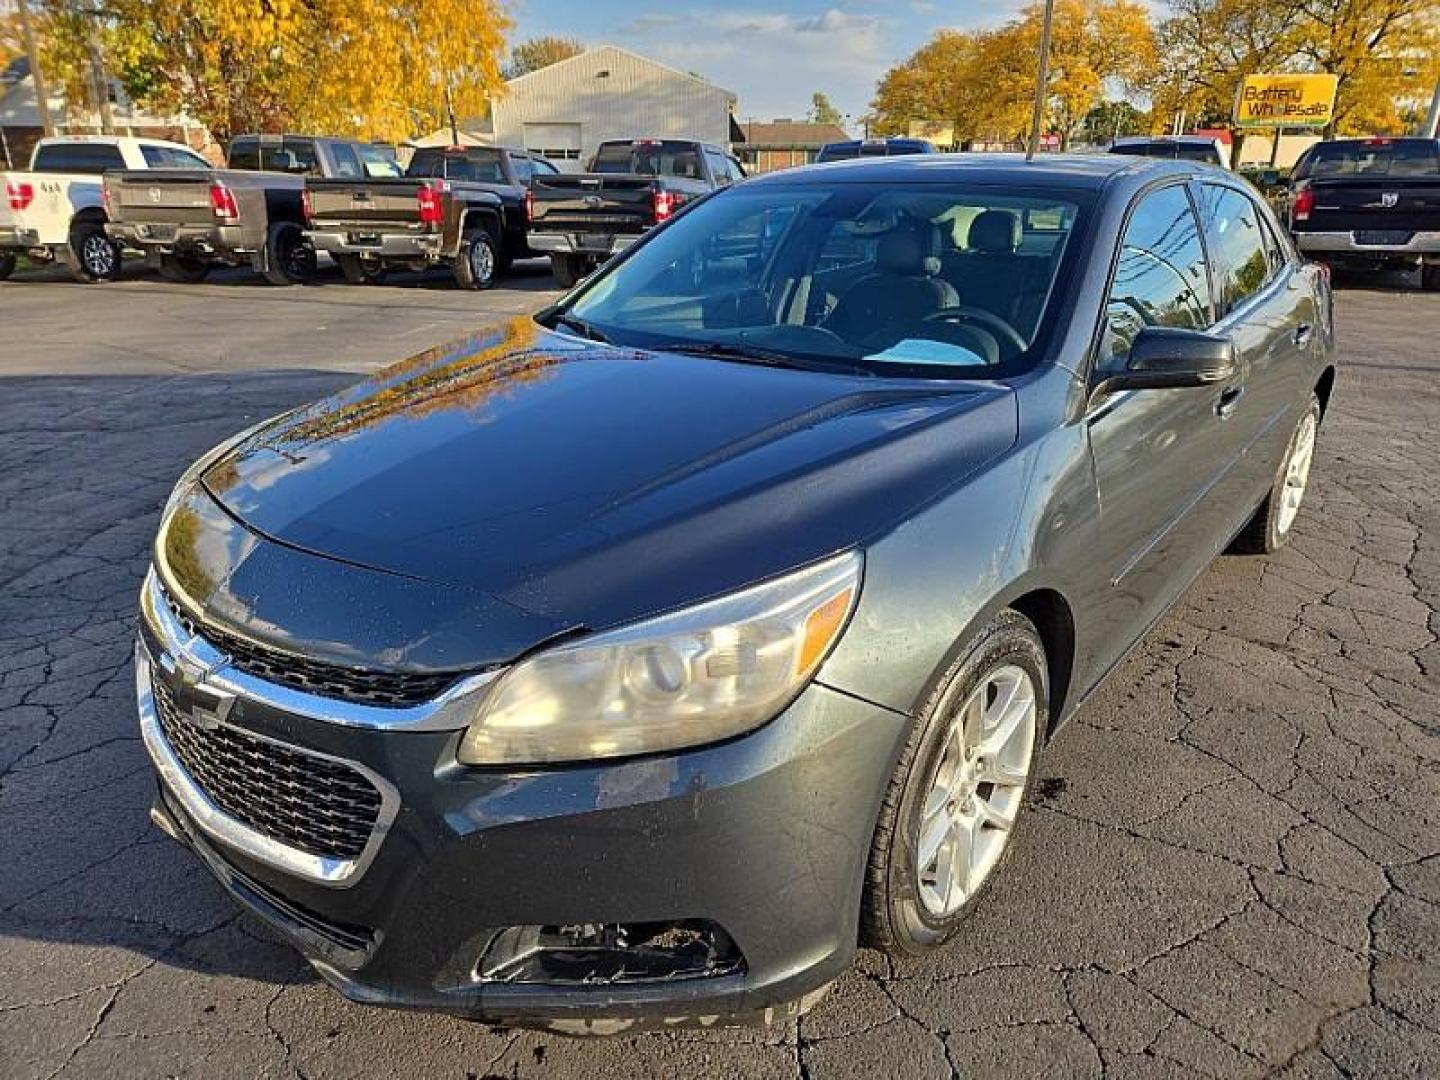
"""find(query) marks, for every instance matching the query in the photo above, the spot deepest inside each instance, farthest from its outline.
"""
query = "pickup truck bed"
(1370, 203)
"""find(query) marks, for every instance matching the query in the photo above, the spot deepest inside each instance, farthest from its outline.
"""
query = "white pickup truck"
(56, 210)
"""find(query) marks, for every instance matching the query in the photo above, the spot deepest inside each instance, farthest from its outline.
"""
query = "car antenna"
(1041, 79)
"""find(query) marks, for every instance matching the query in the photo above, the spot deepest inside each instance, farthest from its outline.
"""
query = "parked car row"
(282, 198)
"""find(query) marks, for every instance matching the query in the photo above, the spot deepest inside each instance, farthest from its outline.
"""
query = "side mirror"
(1163, 358)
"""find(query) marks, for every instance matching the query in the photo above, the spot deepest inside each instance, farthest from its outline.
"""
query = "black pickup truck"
(633, 184)
(1368, 204)
(468, 206)
(247, 214)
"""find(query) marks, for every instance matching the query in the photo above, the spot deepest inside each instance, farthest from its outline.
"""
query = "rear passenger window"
(244, 154)
(78, 158)
(1234, 237)
(347, 162)
(524, 171)
(1160, 279)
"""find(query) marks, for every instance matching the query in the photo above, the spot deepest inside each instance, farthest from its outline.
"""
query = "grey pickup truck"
(1369, 204)
(467, 207)
(633, 184)
(247, 214)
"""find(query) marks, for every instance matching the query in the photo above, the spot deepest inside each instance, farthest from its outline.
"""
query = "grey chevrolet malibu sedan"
(631, 663)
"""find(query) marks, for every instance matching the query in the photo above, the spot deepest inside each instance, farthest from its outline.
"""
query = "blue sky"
(774, 54)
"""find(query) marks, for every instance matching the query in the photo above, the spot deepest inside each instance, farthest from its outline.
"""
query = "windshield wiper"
(580, 326)
(759, 354)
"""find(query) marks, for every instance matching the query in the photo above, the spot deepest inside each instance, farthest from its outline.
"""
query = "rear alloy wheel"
(186, 269)
(478, 263)
(1268, 530)
(358, 271)
(948, 819)
(95, 256)
(289, 257)
(7, 265)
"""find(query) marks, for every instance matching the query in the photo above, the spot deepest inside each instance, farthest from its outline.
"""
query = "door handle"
(1228, 399)
(1302, 334)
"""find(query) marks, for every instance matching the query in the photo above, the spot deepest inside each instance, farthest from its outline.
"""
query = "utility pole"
(37, 78)
(1432, 119)
(1037, 116)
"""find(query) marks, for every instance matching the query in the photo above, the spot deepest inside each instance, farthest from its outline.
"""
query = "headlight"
(214, 454)
(695, 676)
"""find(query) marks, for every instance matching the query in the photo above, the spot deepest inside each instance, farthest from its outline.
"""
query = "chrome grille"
(387, 689)
(316, 805)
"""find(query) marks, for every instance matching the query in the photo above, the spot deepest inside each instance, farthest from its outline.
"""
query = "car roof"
(112, 140)
(1082, 171)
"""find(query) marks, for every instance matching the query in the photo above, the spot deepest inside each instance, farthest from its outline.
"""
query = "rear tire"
(478, 262)
(1430, 277)
(568, 269)
(937, 789)
(185, 269)
(94, 257)
(289, 257)
(7, 265)
(1271, 526)
(358, 271)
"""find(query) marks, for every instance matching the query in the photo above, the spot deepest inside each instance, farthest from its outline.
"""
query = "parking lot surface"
(1231, 868)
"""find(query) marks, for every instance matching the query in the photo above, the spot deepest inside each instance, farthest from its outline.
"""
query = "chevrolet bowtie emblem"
(210, 705)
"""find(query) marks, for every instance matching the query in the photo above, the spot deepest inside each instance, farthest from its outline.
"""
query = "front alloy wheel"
(949, 815)
(976, 790)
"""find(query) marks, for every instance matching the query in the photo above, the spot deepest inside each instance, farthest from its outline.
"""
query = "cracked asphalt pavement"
(1230, 867)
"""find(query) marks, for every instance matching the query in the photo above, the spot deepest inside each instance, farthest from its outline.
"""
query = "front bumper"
(766, 836)
(1338, 243)
(555, 243)
(417, 245)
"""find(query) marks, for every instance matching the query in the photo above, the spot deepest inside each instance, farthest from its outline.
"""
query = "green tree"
(541, 52)
(821, 111)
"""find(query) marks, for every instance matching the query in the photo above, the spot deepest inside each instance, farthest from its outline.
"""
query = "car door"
(1157, 454)
(1265, 308)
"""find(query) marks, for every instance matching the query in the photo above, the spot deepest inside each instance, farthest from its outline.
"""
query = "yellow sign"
(1274, 101)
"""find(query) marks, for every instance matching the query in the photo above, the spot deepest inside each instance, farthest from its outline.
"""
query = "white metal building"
(566, 110)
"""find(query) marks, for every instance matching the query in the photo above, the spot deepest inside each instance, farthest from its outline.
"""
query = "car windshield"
(930, 279)
(1374, 157)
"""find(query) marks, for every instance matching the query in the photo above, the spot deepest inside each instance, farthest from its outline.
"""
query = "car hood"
(588, 484)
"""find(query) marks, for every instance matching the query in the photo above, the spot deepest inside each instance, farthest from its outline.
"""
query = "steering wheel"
(961, 313)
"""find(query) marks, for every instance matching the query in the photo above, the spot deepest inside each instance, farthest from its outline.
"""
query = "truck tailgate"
(365, 202)
(599, 203)
(161, 197)
(1400, 204)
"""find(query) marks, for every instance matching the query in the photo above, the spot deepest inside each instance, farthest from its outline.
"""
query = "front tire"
(950, 812)
(1270, 528)
(7, 265)
(478, 263)
(94, 257)
(289, 257)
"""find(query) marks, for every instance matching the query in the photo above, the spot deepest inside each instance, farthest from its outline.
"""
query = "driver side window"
(1160, 278)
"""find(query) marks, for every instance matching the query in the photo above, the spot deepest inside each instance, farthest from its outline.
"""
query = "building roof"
(20, 108)
(791, 133)
(617, 50)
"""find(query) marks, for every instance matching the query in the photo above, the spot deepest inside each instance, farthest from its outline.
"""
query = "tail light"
(1304, 203)
(432, 205)
(222, 201)
(307, 206)
(666, 203)
(529, 205)
(19, 194)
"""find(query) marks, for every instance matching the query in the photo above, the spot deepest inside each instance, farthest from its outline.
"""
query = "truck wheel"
(569, 269)
(358, 271)
(183, 268)
(289, 257)
(94, 256)
(1430, 277)
(478, 261)
(7, 265)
